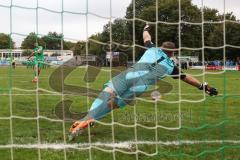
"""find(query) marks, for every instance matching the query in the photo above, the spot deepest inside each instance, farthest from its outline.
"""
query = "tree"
(27, 52)
(53, 40)
(67, 45)
(96, 48)
(6, 41)
(232, 37)
(30, 40)
(214, 35)
(79, 48)
(191, 35)
(120, 31)
(50, 41)
(121, 38)
(168, 12)
(139, 6)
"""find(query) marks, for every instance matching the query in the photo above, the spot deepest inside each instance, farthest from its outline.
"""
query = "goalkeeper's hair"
(168, 47)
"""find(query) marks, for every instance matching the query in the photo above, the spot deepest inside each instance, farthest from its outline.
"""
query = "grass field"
(210, 128)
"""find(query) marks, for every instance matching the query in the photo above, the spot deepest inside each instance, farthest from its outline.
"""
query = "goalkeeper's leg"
(100, 107)
(121, 91)
(105, 103)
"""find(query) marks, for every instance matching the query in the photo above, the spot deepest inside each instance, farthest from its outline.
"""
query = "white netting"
(114, 146)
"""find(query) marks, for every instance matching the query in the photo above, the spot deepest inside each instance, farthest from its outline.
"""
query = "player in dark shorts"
(13, 63)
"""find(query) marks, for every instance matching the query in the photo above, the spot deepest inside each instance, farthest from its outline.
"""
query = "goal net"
(183, 123)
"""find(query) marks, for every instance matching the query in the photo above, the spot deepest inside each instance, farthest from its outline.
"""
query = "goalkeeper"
(38, 61)
(155, 64)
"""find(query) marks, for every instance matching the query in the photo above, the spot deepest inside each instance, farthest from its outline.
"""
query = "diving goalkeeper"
(155, 64)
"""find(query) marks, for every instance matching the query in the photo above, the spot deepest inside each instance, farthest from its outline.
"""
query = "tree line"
(204, 30)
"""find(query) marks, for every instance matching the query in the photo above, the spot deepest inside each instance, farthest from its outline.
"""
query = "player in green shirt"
(38, 61)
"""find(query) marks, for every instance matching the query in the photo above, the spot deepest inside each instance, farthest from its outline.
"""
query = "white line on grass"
(123, 144)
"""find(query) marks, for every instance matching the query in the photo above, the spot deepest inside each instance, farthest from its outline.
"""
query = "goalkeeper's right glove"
(146, 28)
(209, 90)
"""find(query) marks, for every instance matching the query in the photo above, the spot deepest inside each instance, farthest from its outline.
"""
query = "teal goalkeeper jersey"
(152, 55)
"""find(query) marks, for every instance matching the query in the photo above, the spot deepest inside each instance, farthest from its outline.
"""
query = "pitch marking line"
(123, 144)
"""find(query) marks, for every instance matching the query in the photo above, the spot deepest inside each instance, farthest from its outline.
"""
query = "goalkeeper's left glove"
(209, 90)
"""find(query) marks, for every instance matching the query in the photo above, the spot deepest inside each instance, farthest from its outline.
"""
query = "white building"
(6, 53)
(52, 56)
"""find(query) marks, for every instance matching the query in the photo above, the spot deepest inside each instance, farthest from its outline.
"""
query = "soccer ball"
(156, 95)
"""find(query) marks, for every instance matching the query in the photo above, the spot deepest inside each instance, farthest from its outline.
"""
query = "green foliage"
(121, 35)
(28, 42)
(120, 31)
(232, 33)
(232, 38)
(139, 6)
(53, 40)
(26, 52)
(67, 45)
(96, 48)
(6, 41)
(79, 48)
(191, 35)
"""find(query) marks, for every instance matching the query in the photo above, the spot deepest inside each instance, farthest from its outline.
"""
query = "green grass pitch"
(209, 120)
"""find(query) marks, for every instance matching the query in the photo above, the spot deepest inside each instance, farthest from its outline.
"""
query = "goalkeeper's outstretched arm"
(202, 86)
(176, 73)
(194, 82)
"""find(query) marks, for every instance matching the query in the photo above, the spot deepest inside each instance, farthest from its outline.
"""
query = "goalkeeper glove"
(209, 90)
(146, 28)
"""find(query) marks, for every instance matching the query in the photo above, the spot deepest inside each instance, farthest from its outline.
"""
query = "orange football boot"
(78, 127)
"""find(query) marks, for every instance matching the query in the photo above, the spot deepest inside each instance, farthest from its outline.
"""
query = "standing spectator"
(13, 63)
